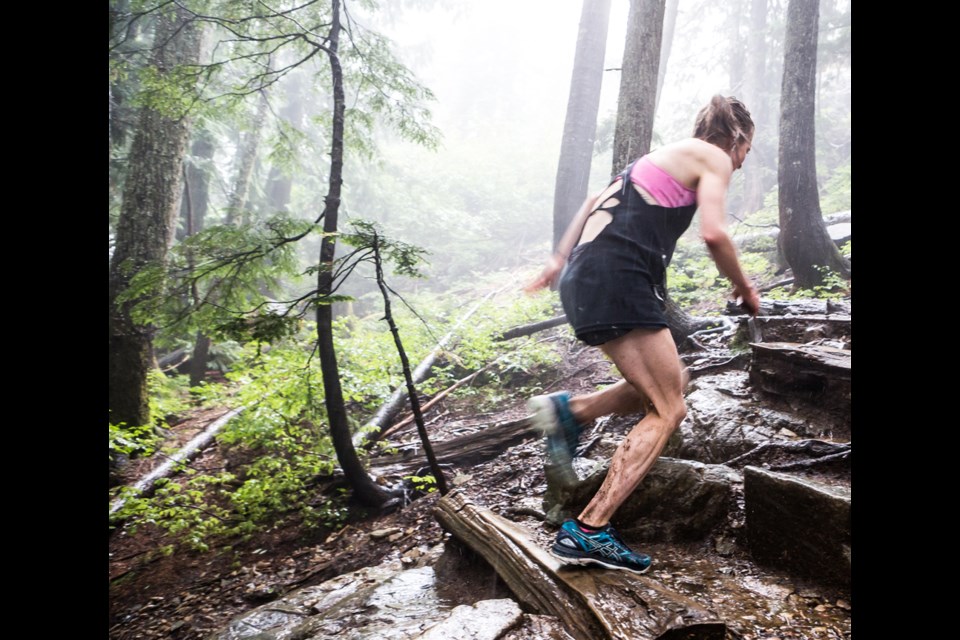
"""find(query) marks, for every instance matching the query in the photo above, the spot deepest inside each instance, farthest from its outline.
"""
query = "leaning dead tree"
(407, 376)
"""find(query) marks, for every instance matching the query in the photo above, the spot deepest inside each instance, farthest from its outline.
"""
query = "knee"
(674, 414)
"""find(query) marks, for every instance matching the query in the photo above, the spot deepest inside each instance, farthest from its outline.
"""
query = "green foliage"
(279, 447)
(218, 274)
(695, 283)
(834, 287)
(837, 191)
(406, 258)
(426, 484)
(131, 441)
(169, 395)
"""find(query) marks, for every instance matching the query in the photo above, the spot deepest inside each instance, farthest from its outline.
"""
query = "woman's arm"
(569, 240)
(711, 198)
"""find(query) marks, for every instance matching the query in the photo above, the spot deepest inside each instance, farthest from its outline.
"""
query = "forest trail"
(192, 595)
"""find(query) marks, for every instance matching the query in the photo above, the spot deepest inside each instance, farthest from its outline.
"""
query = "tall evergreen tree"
(148, 215)
(669, 28)
(365, 489)
(755, 99)
(580, 126)
(638, 82)
(803, 239)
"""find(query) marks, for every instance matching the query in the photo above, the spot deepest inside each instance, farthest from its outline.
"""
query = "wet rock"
(538, 627)
(724, 421)
(678, 500)
(814, 377)
(382, 602)
(384, 533)
(486, 620)
(798, 524)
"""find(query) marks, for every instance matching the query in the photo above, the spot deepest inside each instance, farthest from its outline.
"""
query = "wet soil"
(188, 595)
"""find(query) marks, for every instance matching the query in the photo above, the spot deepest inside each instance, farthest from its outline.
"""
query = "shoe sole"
(587, 561)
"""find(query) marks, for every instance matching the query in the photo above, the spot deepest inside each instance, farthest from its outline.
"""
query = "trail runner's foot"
(578, 544)
(553, 418)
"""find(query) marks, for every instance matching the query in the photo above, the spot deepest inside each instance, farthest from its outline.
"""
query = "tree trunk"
(754, 98)
(364, 488)
(280, 183)
(147, 222)
(196, 200)
(438, 475)
(580, 126)
(669, 27)
(638, 82)
(237, 210)
(804, 240)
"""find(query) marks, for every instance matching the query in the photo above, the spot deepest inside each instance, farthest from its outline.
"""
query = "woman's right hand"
(749, 298)
(548, 276)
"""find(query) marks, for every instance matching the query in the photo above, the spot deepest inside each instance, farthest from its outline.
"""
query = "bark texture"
(638, 82)
(590, 603)
(364, 488)
(147, 224)
(804, 240)
(580, 126)
(669, 27)
(755, 171)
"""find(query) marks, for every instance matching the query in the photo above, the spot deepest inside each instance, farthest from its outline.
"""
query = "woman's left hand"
(548, 276)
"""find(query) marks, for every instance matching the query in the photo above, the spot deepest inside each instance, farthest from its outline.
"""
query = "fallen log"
(800, 329)
(799, 307)
(145, 486)
(530, 329)
(437, 398)
(590, 602)
(473, 448)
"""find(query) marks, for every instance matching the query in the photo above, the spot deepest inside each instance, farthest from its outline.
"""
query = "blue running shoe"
(604, 547)
(553, 418)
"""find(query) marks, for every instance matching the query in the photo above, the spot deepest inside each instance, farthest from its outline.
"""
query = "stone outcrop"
(798, 523)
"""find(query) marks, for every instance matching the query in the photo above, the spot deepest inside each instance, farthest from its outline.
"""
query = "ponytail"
(724, 122)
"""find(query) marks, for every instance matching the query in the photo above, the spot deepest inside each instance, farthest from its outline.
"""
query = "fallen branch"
(529, 329)
(806, 464)
(440, 396)
(816, 448)
(389, 410)
(145, 486)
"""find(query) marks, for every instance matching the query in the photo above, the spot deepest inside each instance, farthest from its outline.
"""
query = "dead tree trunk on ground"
(591, 603)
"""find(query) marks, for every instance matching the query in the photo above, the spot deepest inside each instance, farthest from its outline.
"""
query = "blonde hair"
(724, 122)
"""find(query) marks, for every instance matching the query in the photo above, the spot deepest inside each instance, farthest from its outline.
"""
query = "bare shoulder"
(689, 159)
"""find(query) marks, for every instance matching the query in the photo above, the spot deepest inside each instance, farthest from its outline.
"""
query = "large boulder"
(799, 524)
(724, 421)
(678, 500)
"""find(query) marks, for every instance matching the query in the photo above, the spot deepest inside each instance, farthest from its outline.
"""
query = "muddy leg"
(648, 360)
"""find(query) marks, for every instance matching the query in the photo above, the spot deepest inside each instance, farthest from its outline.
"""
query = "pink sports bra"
(664, 188)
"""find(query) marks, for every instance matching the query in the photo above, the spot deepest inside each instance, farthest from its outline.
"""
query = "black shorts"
(606, 294)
